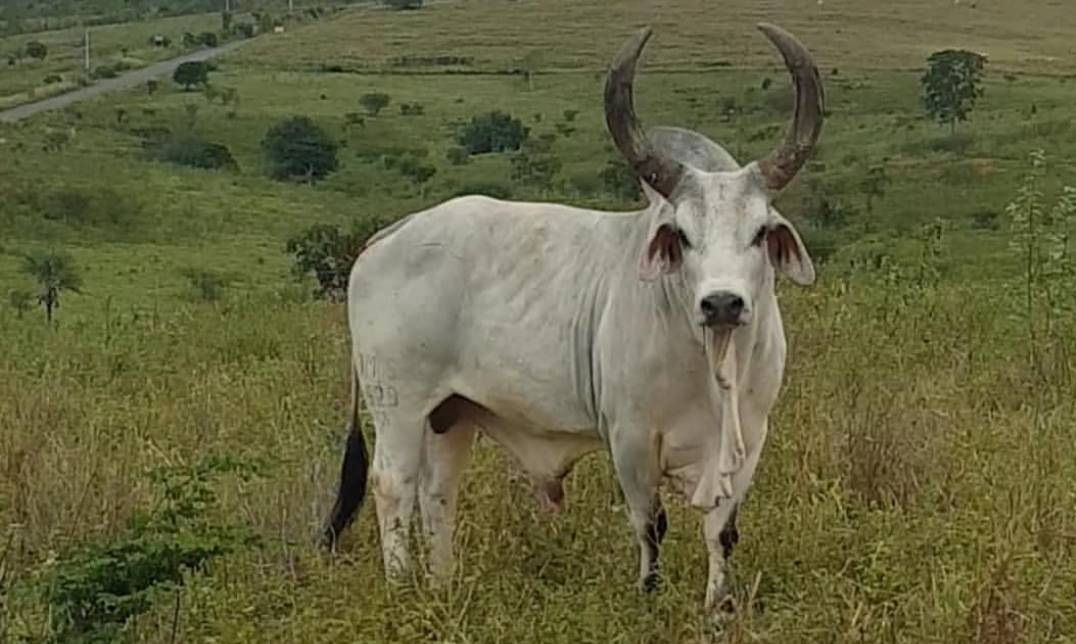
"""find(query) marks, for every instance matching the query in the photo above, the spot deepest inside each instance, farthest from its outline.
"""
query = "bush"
(493, 131)
(404, 5)
(191, 73)
(328, 252)
(536, 170)
(94, 589)
(208, 38)
(190, 151)
(296, 148)
(104, 71)
(374, 102)
(458, 156)
(412, 109)
(243, 29)
(37, 49)
(620, 181)
(419, 173)
(52, 79)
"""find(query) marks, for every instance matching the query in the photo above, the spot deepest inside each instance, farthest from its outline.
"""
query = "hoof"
(651, 583)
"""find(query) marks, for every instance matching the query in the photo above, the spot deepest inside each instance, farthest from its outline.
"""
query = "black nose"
(721, 309)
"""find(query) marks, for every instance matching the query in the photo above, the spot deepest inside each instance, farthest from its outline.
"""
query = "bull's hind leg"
(448, 444)
(396, 469)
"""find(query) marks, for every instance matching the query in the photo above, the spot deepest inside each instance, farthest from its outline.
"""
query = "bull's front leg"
(635, 458)
(720, 531)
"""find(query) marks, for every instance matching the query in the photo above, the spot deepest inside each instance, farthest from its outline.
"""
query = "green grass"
(917, 485)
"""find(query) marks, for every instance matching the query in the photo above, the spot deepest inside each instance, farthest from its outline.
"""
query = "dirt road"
(125, 81)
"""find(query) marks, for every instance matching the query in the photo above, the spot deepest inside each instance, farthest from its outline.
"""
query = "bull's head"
(717, 228)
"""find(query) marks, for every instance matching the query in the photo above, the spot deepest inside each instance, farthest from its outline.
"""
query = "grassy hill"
(917, 481)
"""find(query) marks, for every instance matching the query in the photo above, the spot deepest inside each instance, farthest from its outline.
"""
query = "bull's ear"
(663, 253)
(788, 254)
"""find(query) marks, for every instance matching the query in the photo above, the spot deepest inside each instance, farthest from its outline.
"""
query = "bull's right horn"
(660, 173)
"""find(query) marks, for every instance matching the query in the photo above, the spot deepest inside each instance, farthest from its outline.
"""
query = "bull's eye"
(760, 236)
(683, 238)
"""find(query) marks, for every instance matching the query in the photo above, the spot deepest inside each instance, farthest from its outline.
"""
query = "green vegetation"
(374, 102)
(492, 132)
(952, 85)
(917, 482)
(191, 73)
(296, 148)
(53, 273)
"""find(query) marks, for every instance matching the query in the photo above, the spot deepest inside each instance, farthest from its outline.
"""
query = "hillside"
(916, 483)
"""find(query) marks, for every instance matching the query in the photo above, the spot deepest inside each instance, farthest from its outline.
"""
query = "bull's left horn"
(661, 173)
(781, 165)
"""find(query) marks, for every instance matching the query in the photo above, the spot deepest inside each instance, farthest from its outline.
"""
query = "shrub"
(52, 79)
(412, 109)
(94, 589)
(190, 151)
(620, 181)
(208, 38)
(353, 118)
(296, 148)
(328, 252)
(104, 71)
(244, 29)
(37, 50)
(191, 73)
(403, 5)
(374, 102)
(419, 173)
(458, 156)
(537, 170)
(493, 131)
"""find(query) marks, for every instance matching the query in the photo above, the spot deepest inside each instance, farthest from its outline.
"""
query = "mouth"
(716, 341)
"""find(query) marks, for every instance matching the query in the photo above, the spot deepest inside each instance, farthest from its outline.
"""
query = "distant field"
(917, 486)
(689, 34)
(24, 81)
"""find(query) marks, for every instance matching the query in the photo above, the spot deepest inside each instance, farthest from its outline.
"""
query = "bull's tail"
(353, 474)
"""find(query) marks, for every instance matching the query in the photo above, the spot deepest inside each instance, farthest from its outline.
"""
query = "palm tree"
(54, 272)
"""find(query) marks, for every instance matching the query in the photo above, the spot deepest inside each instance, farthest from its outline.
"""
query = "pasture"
(917, 483)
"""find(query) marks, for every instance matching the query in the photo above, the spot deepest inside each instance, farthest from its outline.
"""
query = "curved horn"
(661, 173)
(781, 165)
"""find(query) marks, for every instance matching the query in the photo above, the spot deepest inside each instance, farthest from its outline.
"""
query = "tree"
(54, 273)
(952, 85)
(37, 49)
(191, 73)
(528, 66)
(873, 185)
(329, 252)
(374, 102)
(493, 131)
(296, 148)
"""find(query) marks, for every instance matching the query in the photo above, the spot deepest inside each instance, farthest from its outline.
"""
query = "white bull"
(557, 331)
